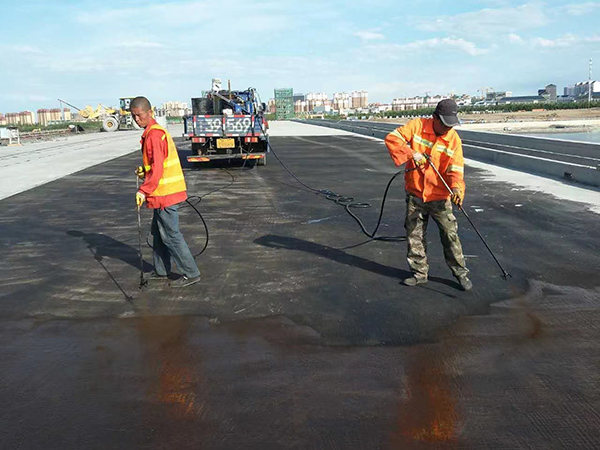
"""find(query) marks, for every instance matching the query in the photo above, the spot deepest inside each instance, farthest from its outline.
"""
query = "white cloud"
(138, 44)
(515, 39)
(397, 51)
(369, 35)
(21, 49)
(566, 41)
(580, 9)
(211, 15)
(489, 22)
(397, 89)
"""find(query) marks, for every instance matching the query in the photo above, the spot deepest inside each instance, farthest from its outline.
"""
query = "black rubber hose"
(347, 202)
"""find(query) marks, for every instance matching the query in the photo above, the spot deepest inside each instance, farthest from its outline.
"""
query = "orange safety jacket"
(445, 152)
(171, 187)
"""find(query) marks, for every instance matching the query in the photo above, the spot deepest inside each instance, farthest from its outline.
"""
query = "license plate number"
(225, 143)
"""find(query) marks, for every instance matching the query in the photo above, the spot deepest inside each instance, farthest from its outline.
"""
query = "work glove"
(140, 172)
(140, 198)
(419, 159)
(457, 196)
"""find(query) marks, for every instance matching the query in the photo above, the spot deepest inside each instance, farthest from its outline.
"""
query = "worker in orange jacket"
(426, 195)
(163, 189)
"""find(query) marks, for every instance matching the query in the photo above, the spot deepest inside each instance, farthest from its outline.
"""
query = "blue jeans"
(169, 244)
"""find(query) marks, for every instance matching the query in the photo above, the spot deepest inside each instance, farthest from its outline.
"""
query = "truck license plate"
(225, 143)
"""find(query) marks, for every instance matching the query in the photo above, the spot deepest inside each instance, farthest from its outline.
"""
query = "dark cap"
(447, 111)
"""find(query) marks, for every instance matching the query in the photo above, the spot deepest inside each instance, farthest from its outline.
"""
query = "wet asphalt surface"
(301, 335)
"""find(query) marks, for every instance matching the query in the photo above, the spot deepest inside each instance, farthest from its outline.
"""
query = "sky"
(89, 52)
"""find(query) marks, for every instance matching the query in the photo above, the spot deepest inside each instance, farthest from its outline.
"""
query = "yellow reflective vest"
(172, 180)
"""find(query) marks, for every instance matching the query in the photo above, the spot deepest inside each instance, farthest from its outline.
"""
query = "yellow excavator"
(112, 119)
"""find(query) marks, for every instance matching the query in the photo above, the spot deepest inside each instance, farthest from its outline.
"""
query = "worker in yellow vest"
(163, 189)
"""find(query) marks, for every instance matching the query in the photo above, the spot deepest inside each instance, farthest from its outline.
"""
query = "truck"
(227, 125)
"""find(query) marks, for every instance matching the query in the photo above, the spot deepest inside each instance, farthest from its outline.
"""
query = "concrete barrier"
(568, 166)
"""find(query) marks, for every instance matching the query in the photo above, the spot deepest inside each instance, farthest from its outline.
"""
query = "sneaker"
(465, 283)
(414, 281)
(184, 281)
(156, 277)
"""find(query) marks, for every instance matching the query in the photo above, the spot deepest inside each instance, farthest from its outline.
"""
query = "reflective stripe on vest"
(172, 180)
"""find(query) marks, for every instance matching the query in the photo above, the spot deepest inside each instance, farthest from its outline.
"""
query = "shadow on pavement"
(340, 256)
(103, 246)
(291, 243)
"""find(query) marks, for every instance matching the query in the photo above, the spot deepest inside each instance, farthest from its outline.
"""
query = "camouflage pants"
(417, 217)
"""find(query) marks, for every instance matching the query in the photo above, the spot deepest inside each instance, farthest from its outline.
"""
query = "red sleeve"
(155, 147)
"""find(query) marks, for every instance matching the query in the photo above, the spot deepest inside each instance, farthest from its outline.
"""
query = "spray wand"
(505, 274)
(143, 282)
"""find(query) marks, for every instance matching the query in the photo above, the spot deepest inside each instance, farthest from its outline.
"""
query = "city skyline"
(89, 53)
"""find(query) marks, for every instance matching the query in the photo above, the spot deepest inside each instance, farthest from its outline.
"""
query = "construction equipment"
(121, 119)
(112, 119)
(227, 124)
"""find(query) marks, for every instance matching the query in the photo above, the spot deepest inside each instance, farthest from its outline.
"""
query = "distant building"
(549, 92)
(494, 96)
(20, 118)
(12, 118)
(360, 99)
(569, 91)
(582, 89)
(300, 107)
(284, 103)
(342, 101)
(48, 116)
(316, 100)
(2, 120)
(26, 118)
(175, 109)
(522, 99)
(376, 108)
(418, 102)
(299, 97)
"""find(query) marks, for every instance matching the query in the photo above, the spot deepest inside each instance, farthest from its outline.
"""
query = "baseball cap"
(447, 111)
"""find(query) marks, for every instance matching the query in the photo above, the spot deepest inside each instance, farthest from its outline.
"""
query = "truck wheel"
(110, 124)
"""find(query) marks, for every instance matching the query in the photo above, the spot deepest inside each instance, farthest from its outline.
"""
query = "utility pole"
(62, 110)
(590, 83)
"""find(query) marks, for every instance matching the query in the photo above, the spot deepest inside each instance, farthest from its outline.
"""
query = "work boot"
(184, 281)
(156, 277)
(465, 283)
(414, 281)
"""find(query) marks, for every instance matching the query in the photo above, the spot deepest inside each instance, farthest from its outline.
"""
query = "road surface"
(301, 334)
